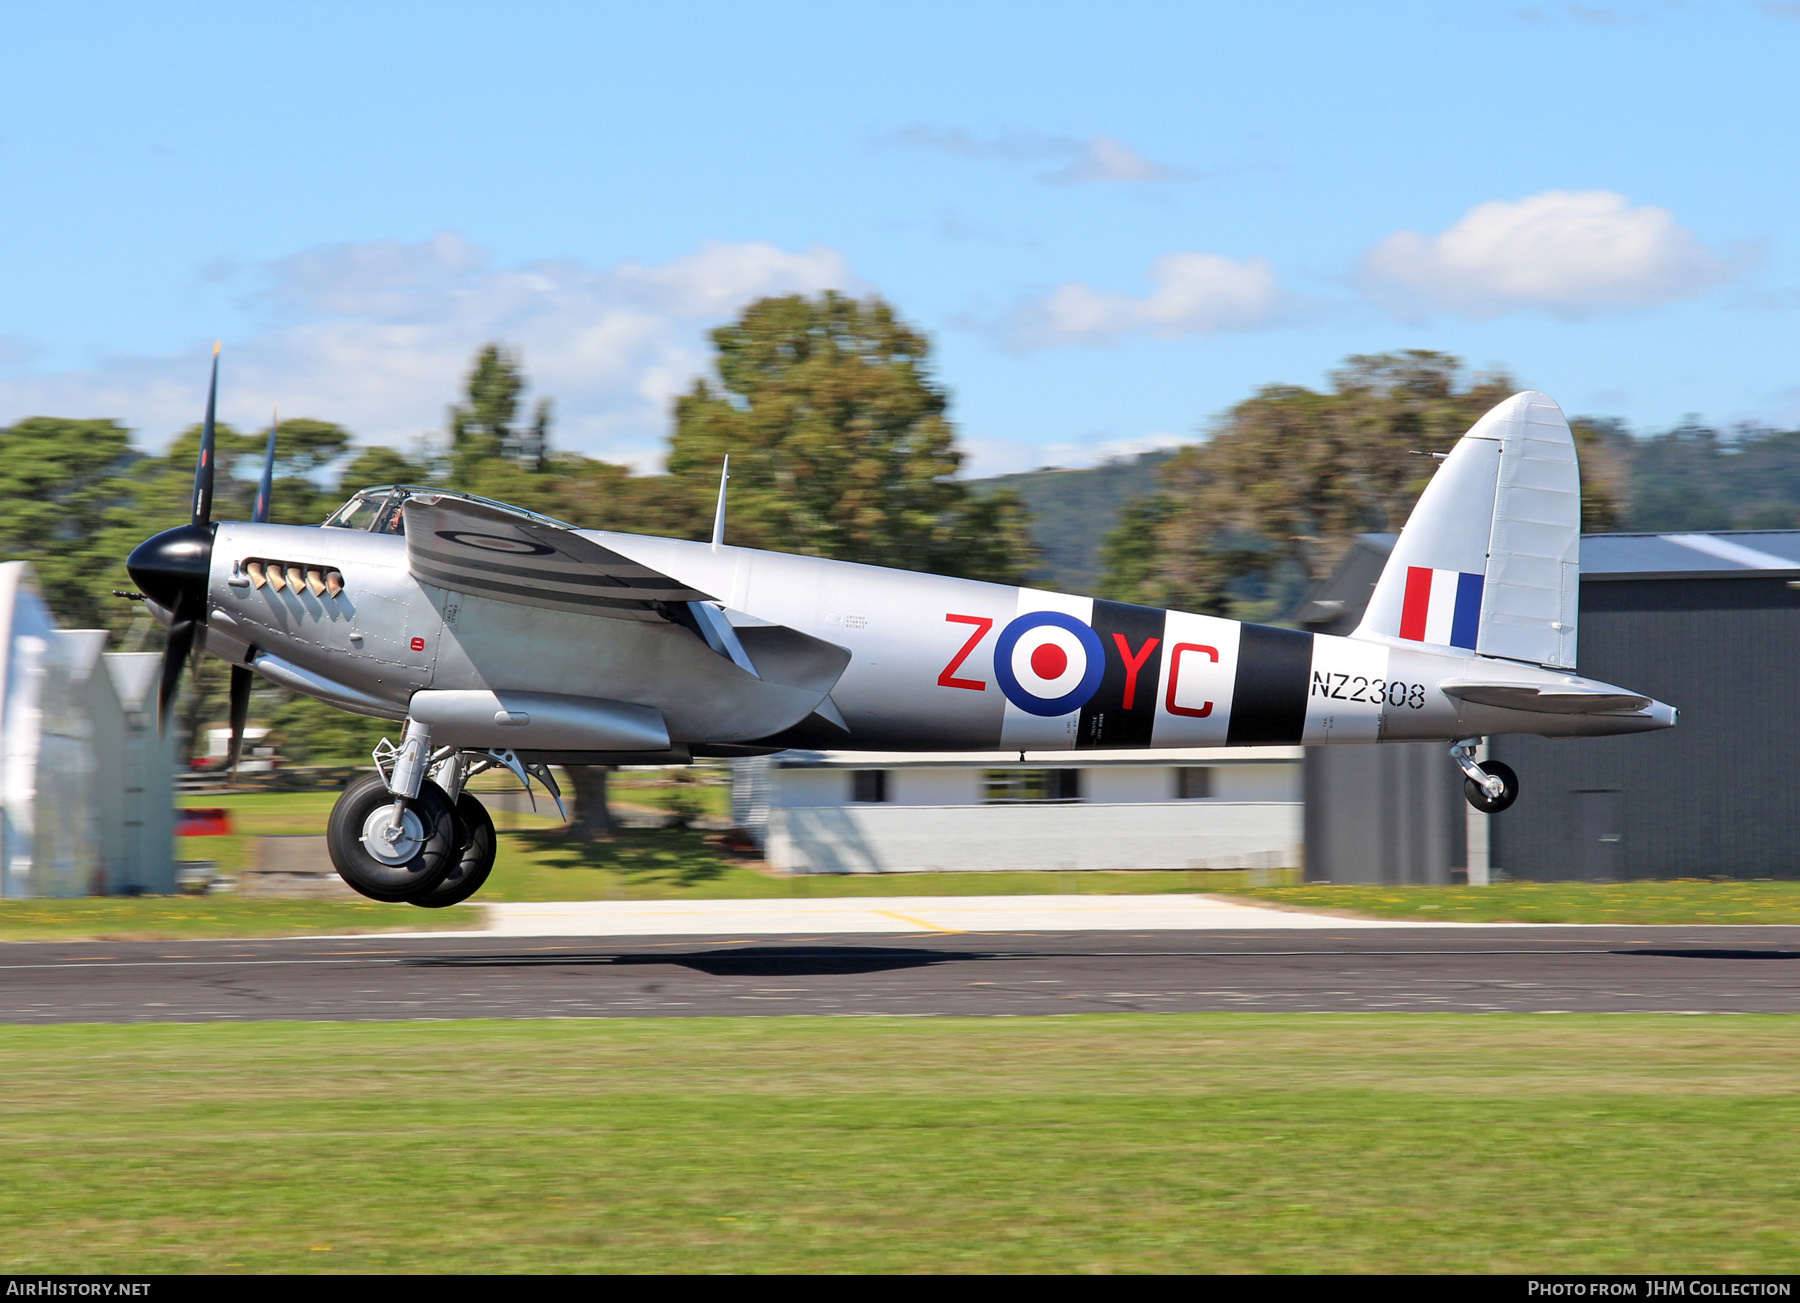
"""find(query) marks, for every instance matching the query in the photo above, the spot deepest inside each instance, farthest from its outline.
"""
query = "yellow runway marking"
(908, 918)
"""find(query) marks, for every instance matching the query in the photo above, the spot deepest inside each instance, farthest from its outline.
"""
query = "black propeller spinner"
(173, 569)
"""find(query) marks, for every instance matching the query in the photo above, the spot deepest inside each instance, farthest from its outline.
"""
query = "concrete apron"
(903, 914)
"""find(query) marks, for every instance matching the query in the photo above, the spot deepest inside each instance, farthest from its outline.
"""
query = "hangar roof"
(1336, 604)
(1736, 551)
(1685, 555)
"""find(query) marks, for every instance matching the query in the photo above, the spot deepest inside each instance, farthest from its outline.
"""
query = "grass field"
(1176, 1142)
(299, 814)
(1719, 901)
(674, 863)
(171, 918)
(666, 864)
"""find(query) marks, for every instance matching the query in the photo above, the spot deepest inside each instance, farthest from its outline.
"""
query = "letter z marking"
(948, 678)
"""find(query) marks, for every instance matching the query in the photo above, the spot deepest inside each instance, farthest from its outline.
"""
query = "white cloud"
(1570, 253)
(988, 456)
(1071, 161)
(1194, 294)
(379, 336)
(1104, 159)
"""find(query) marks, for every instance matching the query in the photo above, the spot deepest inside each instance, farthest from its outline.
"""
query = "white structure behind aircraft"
(893, 812)
(86, 786)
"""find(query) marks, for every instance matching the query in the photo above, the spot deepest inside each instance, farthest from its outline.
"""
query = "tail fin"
(1489, 560)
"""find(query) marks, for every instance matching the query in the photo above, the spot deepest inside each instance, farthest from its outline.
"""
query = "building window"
(1013, 786)
(868, 785)
(1193, 783)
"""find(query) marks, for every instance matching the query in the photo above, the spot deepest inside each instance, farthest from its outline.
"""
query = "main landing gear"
(1489, 786)
(398, 835)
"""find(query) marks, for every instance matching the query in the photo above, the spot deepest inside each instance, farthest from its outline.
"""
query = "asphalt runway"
(1466, 970)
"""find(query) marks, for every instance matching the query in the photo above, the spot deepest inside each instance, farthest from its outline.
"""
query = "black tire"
(1493, 804)
(391, 883)
(475, 860)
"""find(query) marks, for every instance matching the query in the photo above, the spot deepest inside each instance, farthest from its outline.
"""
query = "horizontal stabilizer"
(1546, 701)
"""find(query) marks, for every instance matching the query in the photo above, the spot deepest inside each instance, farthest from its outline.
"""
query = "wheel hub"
(391, 845)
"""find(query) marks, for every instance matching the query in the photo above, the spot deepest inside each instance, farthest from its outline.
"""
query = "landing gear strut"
(1489, 786)
(397, 835)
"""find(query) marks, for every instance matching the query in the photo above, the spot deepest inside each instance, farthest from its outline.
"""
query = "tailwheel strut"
(1490, 785)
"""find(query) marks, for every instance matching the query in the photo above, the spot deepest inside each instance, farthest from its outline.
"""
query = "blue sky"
(1114, 219)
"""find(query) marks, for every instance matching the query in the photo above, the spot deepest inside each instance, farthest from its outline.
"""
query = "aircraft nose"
(172, 568)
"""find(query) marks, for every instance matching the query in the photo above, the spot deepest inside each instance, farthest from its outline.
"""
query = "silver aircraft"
(499, 638)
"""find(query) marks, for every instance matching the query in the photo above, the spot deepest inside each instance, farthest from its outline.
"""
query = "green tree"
(600, 495)
(379, 464)
(484, 428)
(1128, 554)
(62, 487)
(840, 443)
(308, 732)
(1603, 450)
(303, 450)
(1267, 505)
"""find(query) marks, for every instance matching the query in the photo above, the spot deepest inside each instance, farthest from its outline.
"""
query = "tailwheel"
(1478, 793)
(386, 861)
(476, 847)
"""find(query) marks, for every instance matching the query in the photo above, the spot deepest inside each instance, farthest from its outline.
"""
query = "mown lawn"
(170, 918)
(1173, 1143)
(253, 814)
(268, 814)
(304, 814)
(1693, 901)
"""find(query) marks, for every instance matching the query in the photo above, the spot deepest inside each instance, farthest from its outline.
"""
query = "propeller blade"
(203, 469)
(260, 514)
(240, 712)
(181, 639)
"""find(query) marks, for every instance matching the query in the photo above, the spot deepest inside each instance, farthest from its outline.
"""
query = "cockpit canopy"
(377, 510)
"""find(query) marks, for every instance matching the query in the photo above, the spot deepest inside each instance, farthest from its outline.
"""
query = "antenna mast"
(718, 537)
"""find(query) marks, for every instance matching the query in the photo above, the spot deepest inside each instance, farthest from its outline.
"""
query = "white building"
(258, 756)
(86, 785)
(866, 812)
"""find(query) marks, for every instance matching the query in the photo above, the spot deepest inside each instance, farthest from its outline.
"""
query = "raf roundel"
(1048, 663)
(495, 543)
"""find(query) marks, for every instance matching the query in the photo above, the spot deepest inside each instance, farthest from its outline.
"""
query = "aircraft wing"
(472, 548)
(1542, 701)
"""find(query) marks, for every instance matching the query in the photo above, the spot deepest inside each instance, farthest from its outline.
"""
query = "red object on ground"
(202, 821)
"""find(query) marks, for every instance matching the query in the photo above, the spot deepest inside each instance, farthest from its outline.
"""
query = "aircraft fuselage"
(935, 664)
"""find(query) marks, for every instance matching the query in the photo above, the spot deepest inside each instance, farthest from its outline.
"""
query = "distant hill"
(1074, 510)
(1687, 478)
